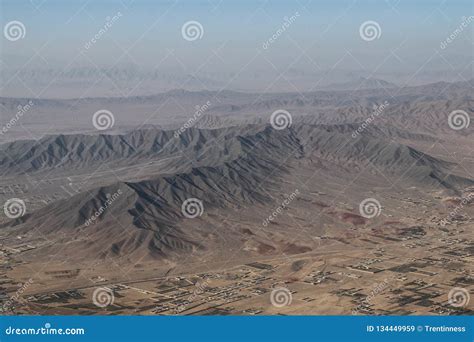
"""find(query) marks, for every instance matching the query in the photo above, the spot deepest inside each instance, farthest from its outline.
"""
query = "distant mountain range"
(135, 80)
(231, 159)
(425, 107)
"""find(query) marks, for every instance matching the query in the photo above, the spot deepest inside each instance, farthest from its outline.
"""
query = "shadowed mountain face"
(136, 210)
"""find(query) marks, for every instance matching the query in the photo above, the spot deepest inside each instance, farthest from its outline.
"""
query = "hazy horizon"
(264, 46)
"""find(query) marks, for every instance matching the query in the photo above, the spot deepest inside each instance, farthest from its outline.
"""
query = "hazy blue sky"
(325, 35)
